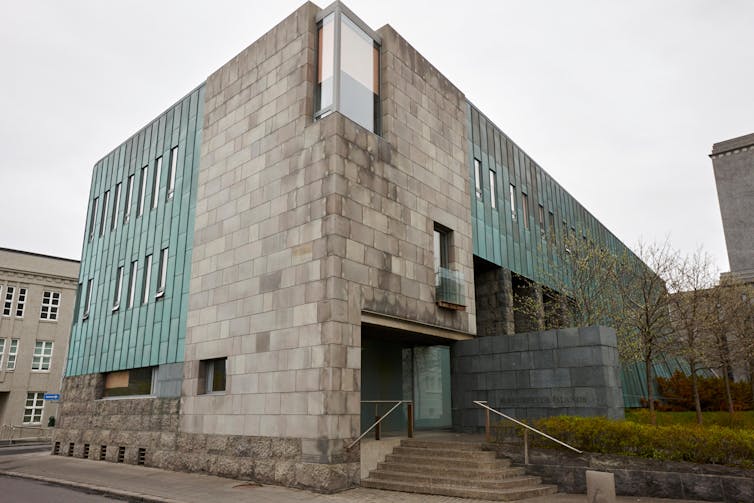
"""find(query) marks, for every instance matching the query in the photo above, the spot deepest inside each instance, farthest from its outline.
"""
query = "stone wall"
(494, 301)
(153, 424)
(571, 371)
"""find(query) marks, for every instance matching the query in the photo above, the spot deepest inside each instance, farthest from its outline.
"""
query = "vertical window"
(12, 354)
(132, 283)
(171, 172)
(525, 209)
(129, 198)
(143, 189)
(34, 407)
(2, 352)
(93, 218)
(512, 190)
(103, 218)
(118, 288)
(88, 297)
(156, 185)
(212, 375)
(541, 220)
(116, 203)
(50, 305)
(162, 273)
(325, 62)
(20, 302)
(42, 356)
(478, 177)
(8, 304)
(441, 248)
(147, 279)
(552, 225)
(493, 190)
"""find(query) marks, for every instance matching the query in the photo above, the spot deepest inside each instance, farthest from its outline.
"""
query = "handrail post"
(526, 446)
(410, 414)
(487, 434)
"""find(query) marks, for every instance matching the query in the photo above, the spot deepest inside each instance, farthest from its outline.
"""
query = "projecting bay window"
(88, 298)
(162, 273)
(171, 173)
(147, 279)
(118, 288)
(449, 284)
(129, 198)
(156, 184)
(348, 68)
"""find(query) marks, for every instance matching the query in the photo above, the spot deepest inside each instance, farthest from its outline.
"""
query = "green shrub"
(710, 445)
(677, 391)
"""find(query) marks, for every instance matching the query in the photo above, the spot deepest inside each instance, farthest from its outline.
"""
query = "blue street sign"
(52, 396)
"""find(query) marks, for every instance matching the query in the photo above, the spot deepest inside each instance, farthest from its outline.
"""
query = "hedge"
(677, 391)
(708, 445)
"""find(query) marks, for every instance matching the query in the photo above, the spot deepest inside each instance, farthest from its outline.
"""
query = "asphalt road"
(14, 490)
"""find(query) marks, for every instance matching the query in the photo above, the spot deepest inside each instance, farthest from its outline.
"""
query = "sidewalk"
(154, 485)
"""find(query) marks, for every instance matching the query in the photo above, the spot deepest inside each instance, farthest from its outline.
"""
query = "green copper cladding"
(152, 332)
(507, 241)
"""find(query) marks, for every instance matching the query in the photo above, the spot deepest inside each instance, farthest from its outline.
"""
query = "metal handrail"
(380, 418)
(483, 403)
(11, 429)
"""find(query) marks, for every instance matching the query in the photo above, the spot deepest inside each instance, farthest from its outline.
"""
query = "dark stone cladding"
(153, 424)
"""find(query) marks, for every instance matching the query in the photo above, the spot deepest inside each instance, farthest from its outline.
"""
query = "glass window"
(20, 302)
(132, 283)
(162, 273)
(147, 279)
(359, 75)
(103, 217)
(512, 189)
(212, 374)
(143, 189)
(441, 248)
(2, 352)
(34, 407)
(50, 306)
(493, 192)
(129, 198)
(116, 203)
(478, 177)
(325, 61)
(10, 292)
(42, 356)
(525, 209)
(552, 225)
(12, 354)
(156, 184)
(88, 297)
(171, 172)
(129, 382)
(118, 288)
(93, 218)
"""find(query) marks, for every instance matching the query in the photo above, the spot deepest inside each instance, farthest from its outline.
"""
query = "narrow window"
(525, 209)
(129, 198)
(552, 225)
(147, 278)
(132, 283)
(42, 356)
(478, 177)
(88, 297)
(143, 189)
(171, 173)
(156, 185)
(512, 189)
(162, 273)
(493, 190)
(93, 218)
(541, 221)
(325, 68)
(103, 217)
(20, 302)
(118, 288)
(116, 203)
(50, 306)
(441, 250)
(12, 354)
(212, 375)
(8, 304)
(34, 407)
(2, 352)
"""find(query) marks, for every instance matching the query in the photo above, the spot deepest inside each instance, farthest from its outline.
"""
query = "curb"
(91, 488)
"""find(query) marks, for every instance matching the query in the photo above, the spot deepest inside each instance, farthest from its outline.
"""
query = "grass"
(742, 420)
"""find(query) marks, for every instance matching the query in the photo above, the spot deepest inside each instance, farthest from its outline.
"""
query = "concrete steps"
(456, 469)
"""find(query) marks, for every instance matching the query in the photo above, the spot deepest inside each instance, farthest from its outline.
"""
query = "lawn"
(741, 419)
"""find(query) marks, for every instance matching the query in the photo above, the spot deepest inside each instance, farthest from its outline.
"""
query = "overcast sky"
(620, 101)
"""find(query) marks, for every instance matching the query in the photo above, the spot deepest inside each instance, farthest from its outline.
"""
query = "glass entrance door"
(431, 383)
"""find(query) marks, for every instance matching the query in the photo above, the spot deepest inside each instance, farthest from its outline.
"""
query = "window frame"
(43, 358)
(162, 273)
(10, 296)
(132, 279)
(152, 384)
(88, 298)
(116, 203)
(93, 218)
(172, 171)
(525, 210)
(103, 216)
(2, 351)
(38, 403)
(207, 376)
(156, 182)
(52, 307)
(118, 288)
(478, 177)
(12, 355)
(129, 199)
(143, 189)
(512, 194)
(21, 301)
(146, 279)
(493, 189)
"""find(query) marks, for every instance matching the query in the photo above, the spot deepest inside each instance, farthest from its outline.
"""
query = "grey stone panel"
(169, 380)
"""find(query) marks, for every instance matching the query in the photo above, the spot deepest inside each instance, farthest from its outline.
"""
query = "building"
(38, 293)
(312, 228)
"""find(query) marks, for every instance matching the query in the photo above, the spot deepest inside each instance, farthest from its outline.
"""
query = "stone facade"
(570, 371)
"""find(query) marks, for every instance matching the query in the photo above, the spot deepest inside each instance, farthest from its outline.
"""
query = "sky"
(620, 101)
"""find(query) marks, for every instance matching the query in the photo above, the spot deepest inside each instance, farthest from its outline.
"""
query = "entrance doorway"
(399, 365)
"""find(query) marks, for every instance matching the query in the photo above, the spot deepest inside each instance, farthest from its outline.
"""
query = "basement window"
(130, 383)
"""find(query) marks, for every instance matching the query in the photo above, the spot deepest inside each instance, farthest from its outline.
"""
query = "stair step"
(444, 453)
(503, 471)
(433, 479)
(446, 462)
(442, 444)
(511, 494)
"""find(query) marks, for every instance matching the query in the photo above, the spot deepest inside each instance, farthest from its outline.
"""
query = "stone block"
(600, 487)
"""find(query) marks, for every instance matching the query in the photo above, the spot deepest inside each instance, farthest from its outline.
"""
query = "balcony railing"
(450, 289)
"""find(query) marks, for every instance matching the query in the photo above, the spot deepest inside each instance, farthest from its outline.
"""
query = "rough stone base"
(147, 430)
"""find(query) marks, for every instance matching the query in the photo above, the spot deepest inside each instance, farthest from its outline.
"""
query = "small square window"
(212, 375)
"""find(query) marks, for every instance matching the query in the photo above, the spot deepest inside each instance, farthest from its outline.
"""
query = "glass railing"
(450, 287)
